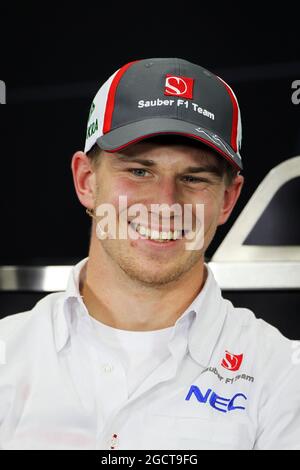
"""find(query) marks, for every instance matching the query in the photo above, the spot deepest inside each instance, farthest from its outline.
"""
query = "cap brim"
(124, 136)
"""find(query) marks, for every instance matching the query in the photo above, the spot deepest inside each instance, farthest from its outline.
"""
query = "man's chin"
(153, 281)
(148, 269)
(157, 277)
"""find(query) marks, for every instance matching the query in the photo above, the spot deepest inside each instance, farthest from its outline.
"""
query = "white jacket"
(231, 382)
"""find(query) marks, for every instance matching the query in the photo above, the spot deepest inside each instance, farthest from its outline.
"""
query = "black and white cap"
(159, 96)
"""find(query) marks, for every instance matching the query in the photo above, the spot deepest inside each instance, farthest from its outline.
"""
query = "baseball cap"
(162, 96)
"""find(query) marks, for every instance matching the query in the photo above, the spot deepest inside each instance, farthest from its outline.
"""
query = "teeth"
(155, 234)
(142, 230)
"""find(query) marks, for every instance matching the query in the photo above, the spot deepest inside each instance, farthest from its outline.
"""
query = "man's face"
(148, 174)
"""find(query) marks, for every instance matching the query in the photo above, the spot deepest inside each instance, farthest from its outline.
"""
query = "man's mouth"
(157, 235)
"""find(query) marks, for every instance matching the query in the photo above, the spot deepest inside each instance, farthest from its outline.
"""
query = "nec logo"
(232, 361)
(216, 401)
(179, 86)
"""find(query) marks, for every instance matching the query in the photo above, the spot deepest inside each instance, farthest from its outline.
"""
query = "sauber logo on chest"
(179, 86)
(232, 361)
(217, 402)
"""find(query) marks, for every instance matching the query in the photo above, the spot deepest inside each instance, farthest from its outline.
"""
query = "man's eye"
(193, 179)
(138, 171)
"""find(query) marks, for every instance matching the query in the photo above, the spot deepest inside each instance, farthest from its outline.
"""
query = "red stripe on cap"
(234, 117)
(110, 103)
(210, 144)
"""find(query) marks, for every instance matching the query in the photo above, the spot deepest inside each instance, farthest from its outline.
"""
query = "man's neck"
(123, 303)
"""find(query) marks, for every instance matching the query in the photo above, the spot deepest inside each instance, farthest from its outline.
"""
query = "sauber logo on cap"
(232, 361)
(179, 86)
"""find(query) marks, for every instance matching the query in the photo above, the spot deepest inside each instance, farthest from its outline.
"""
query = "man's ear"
(84, 179)
(230, 197)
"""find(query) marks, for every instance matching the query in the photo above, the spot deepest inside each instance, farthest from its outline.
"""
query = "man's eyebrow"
(204, 169)
(123, 158)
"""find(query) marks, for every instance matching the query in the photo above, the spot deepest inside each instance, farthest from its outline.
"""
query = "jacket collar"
(208, 309)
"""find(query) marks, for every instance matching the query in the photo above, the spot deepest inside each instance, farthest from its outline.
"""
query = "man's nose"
(165, 192)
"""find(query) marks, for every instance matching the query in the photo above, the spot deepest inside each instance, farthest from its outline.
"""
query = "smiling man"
(142, 351)
(166, 170)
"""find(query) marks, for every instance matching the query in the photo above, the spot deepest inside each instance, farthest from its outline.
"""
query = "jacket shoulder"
(12, 325)
(247, 324)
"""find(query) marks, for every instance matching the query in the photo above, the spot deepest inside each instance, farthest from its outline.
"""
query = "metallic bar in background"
(34, 278)
(229, 275)
(266, 275)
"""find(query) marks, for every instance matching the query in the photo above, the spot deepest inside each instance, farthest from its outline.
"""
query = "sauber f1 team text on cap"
(165, 96)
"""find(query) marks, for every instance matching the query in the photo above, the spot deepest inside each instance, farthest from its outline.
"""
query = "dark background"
(54, 59)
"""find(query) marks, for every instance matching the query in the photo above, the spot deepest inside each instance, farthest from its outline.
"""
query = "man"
(142, 351)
